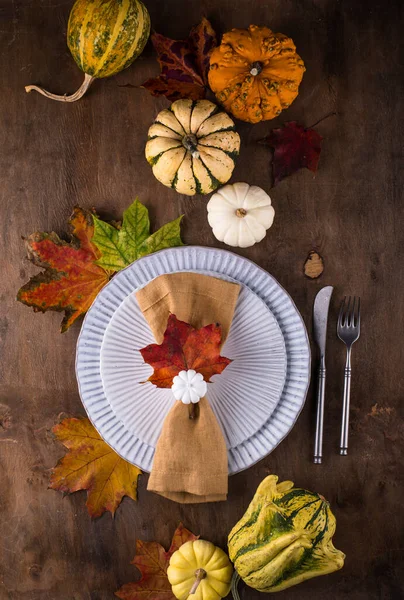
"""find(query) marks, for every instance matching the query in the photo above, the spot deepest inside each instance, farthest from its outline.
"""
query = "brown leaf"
(173, 89)
(294, 148)
(152, 561)
(314, 265)
(203, 40)
(185, 348)
(184, 64)
(70, 280)
(92, 465)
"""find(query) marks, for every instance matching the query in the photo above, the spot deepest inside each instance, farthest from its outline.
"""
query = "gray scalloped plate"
(257, 425)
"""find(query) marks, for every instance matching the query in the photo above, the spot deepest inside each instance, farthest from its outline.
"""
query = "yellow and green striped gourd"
(104, 37)
(284, 538)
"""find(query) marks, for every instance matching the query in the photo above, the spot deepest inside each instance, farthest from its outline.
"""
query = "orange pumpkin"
(255, 73)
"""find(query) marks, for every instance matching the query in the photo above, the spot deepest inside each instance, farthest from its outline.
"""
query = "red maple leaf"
(71, 279)
(152, 561)
(185, 348)
(294, 148)
(184, 64)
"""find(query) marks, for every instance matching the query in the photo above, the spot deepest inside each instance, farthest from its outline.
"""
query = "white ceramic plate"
(243, 397)
(221, 263)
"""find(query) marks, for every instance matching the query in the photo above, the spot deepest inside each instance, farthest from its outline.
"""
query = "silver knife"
(320, 317)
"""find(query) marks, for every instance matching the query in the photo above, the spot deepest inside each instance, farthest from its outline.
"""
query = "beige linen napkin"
(190, 461)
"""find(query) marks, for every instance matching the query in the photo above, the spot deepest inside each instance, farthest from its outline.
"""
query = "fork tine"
(341, 313)
(358, 313)
(347, 313)
(352, 314)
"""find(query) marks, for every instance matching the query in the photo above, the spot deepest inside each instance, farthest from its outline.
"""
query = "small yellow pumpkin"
(192, 147)
(255, 73)
(200, 570)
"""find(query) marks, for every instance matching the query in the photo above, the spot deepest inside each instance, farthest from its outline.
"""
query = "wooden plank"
(53, 156)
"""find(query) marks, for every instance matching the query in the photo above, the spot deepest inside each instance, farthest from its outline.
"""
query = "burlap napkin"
(190, 461)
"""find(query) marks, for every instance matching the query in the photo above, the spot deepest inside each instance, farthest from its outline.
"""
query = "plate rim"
(266, 274)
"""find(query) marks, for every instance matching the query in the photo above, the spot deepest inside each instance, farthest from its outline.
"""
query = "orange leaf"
(185, 348)
(70, 280)
(152, 561)
(92, 465)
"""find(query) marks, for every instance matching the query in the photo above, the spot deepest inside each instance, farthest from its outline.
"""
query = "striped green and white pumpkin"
(284, 538)
(104, 37)
(192, 147)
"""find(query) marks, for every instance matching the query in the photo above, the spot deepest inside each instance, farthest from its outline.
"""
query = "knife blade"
(320, 319)
(320, 316)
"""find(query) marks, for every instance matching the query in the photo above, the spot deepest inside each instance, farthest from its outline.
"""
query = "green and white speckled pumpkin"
(284, 538)
(104, 37)
(192, 147)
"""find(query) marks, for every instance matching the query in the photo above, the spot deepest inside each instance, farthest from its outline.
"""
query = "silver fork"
(348, 330)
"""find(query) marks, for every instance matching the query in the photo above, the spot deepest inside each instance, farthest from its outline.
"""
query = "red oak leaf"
(184, 64)
(70, 280)
(294, 148)
(152, 561)
(185, 348)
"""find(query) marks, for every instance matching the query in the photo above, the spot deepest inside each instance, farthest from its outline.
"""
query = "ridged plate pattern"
(243, 397)
(114, 430)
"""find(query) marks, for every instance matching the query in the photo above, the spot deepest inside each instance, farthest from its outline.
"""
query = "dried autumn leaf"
(185, 348)
(184, 64)
(168, 236)
(152, 561)
(92, 465)
(203, 40)
(71, 279)
(119, 247)
(75, 272)
(314, 265)
(294, 148)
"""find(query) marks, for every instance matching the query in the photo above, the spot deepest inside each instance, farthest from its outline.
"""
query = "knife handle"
(318, 441)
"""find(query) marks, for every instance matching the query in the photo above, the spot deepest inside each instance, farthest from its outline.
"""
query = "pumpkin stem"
(241, 212)
(88, 79)
(190, 143)
(199, 575)
(256, 68)
(234, 583)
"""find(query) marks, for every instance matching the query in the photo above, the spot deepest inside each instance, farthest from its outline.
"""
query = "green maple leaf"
(120, 247)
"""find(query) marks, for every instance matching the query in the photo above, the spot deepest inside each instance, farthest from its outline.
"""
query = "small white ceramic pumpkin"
(192, 147)
(189, 386)
(240, 214)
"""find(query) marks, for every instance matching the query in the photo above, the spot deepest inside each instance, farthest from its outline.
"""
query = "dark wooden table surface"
(53, 156)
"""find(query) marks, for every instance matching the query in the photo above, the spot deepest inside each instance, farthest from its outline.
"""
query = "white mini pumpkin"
(189, 386)
(240, 214)
(192, 146)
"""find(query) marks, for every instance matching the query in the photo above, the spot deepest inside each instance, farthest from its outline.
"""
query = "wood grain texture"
(53, 156)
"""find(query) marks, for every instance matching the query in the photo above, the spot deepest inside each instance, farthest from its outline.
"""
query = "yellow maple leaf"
(92, 465)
